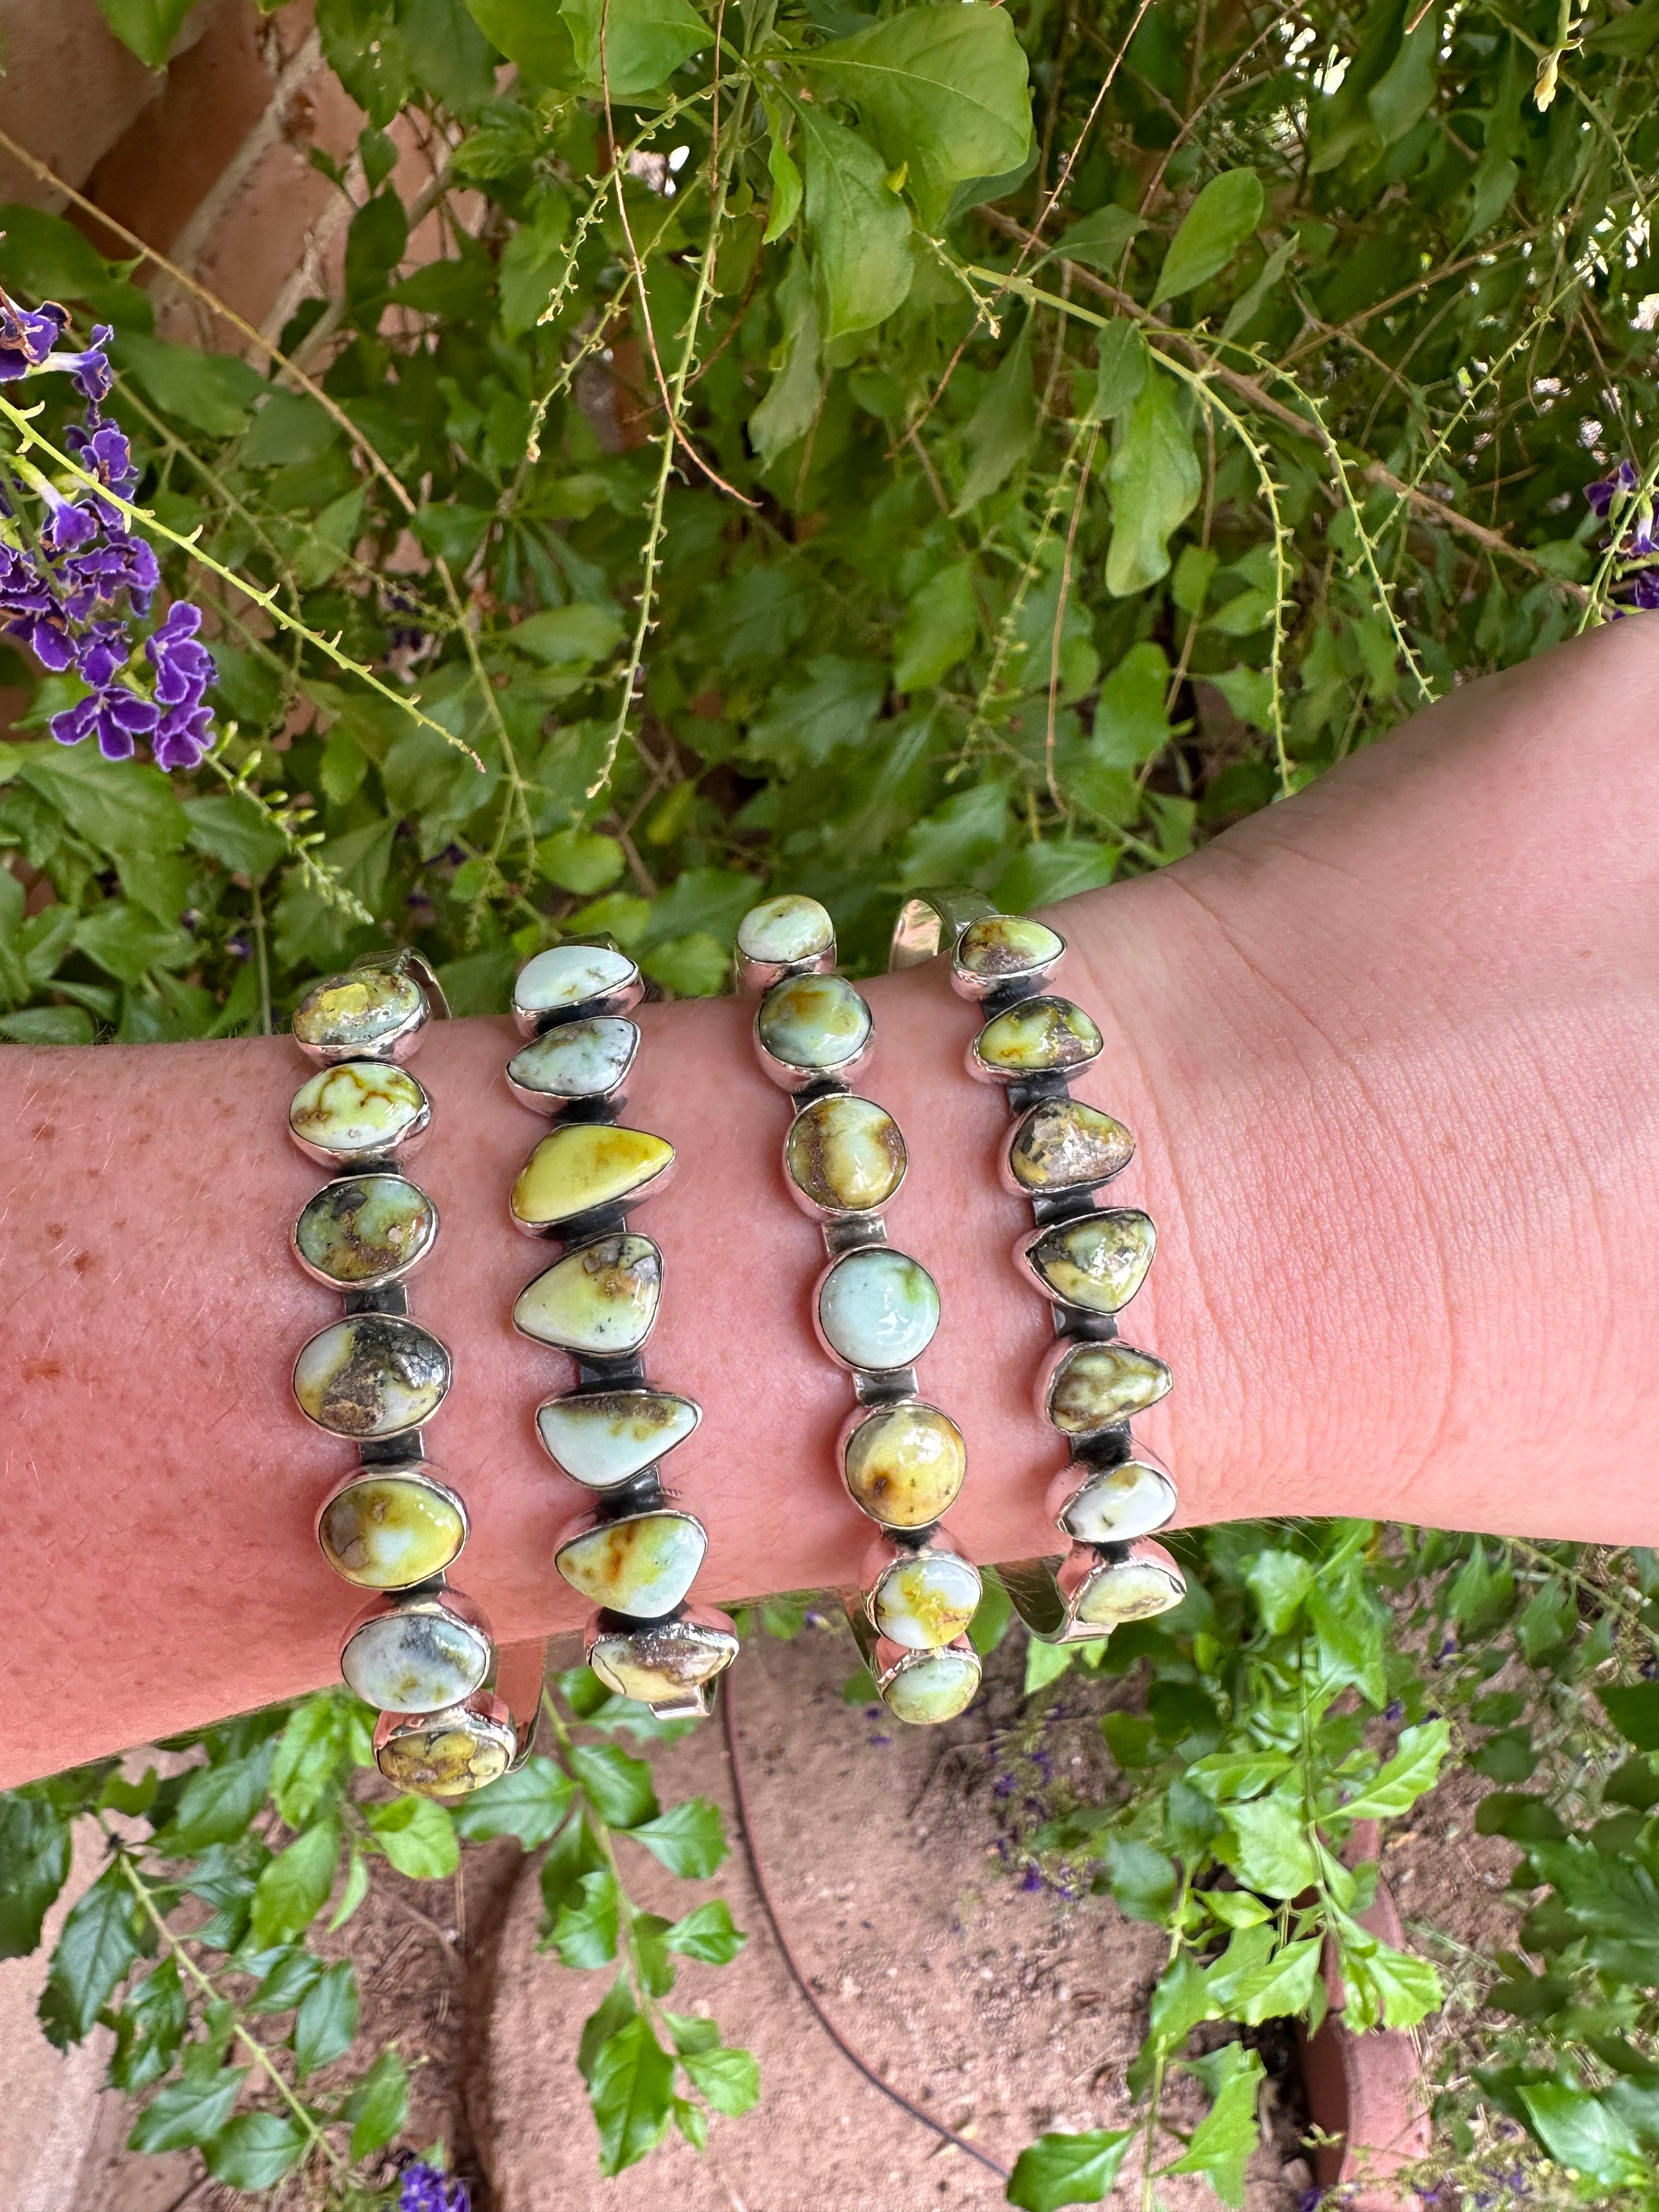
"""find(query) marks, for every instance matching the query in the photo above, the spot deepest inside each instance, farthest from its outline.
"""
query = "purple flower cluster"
(1636, 539)
(426, 2188)
(63, 585)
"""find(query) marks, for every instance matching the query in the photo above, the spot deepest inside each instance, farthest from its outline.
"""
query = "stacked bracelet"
(875, 1310)
(419, 1651)
(1088, 1262)
(636, 1554)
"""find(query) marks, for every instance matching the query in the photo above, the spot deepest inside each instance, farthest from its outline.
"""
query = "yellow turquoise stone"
(599, 1299)
(1039, 1034)
(390, 1532)
(451, 1757)
(360, 1107)
(368, 1008)
(1063, 1145)
(905, 1464)
(366, 1229)
(1134, 1590)
(1007, 944)
(934, 1687)
(846, 1154)
(644, 1564)
(371, 1375)
(1097, 1385)
(584, 1165)
(813, 1021)
(781, 930)
(603, 1438)
(1097, 1262)
(669, 1660)
(926, 1601)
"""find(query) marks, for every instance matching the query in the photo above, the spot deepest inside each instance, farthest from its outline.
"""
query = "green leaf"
(1046, 1663)
(356, 1890)
(295, 1972)
(127, 943)
(42, 257)
(584, 1932)
(618, 1788)
(631, 2089)
(1483, 1593)
(616, 2007)
(527, 32)
(147, 28)
(1224, 213)
(633, 44)
(1141, 1880)
(231, 829)
(788, 408)
(729, 2080)
(1123, 361)
(830, 706)
(689, 1838)
(1274, 1987)
(943, 89)
(1001, 428)
(293, 1888)
(580, 636)
(99, 1942)
(377, 2107)
(1280, 1582)
(218, 1801)
(1061, 2169)
(213, 393)
(532, 1804)
(47, 1025)
(417, 1835)
(1580, 2131)
(312, 1757)
(531, 262)
(125, 808)
(34, 1864)
(1220, 2145)
(326, 2021)
(707, 1933)
(187, 2113)
(255, 2150)
(1634, 1708)
(1131, 727)
(1385, 1987)
(1414, 1768)
(938, 629)
(860, 227)
(1245, 309)
(786, 185)
(1156, 482)
(1266, 1846)
(1098, 240)
(149, 2028)
(1236, 1908)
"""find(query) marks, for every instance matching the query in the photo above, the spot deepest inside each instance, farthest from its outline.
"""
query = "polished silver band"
(419, 1651)
(875, 1310)
(635, 1553)
(1087, 1261)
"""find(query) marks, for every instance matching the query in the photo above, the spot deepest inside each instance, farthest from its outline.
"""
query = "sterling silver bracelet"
(1088, 1262)
(419, 1651)
(875, 1310)
(634, 1554)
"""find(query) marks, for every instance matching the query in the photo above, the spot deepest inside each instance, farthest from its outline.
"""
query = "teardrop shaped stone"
(372, 1375)
(780, 930)
(813, 1021)
(584, 1165)
(1036, 1036)
(905, 1464)
(670, 1660)
(846, 1154)
(643, 1565)
(925, 1600)
(358, 1108)
(601, 1298)
(391, 1531)
(1111, 1505)
(454, 1754)
(1095, 1386)
(1061, 1144)
(603, 1438)
(416, 1661)
(1098, 1261)
(568, 975)
(1131, 1589)
(1005, 945)
(934, 1688)
(366, 1230)
(578, 1059)
(365, 1011)
(878, 1308)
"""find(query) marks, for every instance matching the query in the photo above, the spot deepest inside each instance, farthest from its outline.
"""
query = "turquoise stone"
(642, 1566)
(878, 1308)
(367, 1011)
(813, 1021)
(578, 1059)
(1098, 1261)
(1112, 1505)
(566, 975)
(603, 1436)
(935, 1686)
(371, 1375)
(357, 1109)
(599, 1299)
(1133, 1590)
(782, 929)
(1006, 945)
(391, 1530)
(366, 1230)
(845, 1154)
(1063, 1145)
(1036, 1036)
(925, 1600)
(415, 1662)
(668, 1663)
(1097, 1385)
(447, 1756)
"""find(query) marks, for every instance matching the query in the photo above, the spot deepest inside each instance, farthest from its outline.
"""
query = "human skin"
(1388, 1049)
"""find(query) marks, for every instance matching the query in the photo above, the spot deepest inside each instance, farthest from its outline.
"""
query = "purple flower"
(184, 668)
(183, 737)
(71, 526)
(26, 339)
(1621, 483)
(100, 651)
(122, 563)
(1645, 589)
(105, 453)
(47, 638)
(1033, 1879)
(119, 716)
(90, 369)
(424, 2188)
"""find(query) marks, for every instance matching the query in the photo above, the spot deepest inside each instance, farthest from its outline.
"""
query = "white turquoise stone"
(813, 1021)
(391, 1531)
(1111, 1505)
(1036, 1037)
(567, 975)
(665, 1664)
(584, 1164)
(1133, 1590)
(600, 1299)
(781, 930)
(449, 1754)
(935, 1686)
(845, 1154)
(1094, 1386)
(603, 1438)
(904, 1464)
(642, 1566)
(358, 1110)
(925, 1600)
(1098, 1261)
(365, 1229)
(578, 1059)
(367, 1011)
(418, 1661)
(1005, 945)
(878, 1308)
(371, 1375)
(1063, 1145)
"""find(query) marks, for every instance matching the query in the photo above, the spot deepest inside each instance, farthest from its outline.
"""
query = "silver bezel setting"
(653, 1187)
(398, 1324)
(375, 1282)
(1032, 975)
(419, 1603)
(843, 1073)
(983, 1072)
(851, 1257)
(620, 997)
(423, 1475)
(887, 1556)
(756, 973)
(483, 1716)
(554, 1102)
(397, 1044)
(1025, 1245)
(1075, 1480)
(1056, 1358)
(1085, 1566)
(1011, 1183)
(585, 1524)
(619, 1396)
(344, 1160)
(811, 1206)
(704, 1622)
(588, 1352)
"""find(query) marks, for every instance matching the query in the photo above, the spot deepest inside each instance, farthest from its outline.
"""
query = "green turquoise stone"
(904, 1464)
(1117, 1503)
(415, 1662)
(845, 1154)
(1038, 1035)
(566, 975)
(813, 1021)
(1097, 1262)
(358, 1107)
(644, 1564)
(1005, 945)
(578, 1059)
(366, 1230)
(601, 1438)
(925, 1600)
(1095, 1386)
(371, 1375)
(933, 1687)
(664, 1664)
(455, 1753)
(599, 1300)
(391, 1531)
(1063, 1145)
(878, 1308)
(781, 930)
(584, 1165)
(361, 1011)
(1134, 1590)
